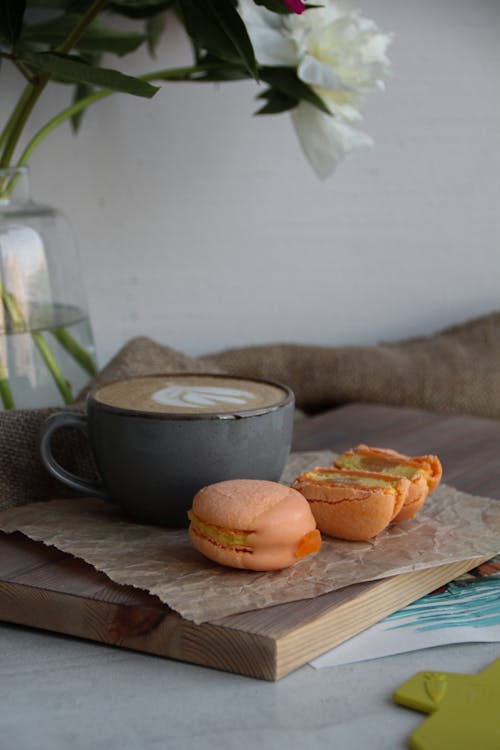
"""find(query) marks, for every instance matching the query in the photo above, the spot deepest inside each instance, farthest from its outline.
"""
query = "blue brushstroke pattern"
(473, 604)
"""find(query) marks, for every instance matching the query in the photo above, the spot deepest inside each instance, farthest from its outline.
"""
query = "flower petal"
(316, 73)
(325, 140)
(271, 45)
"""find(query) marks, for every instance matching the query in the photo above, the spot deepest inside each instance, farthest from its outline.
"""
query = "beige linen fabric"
(456, 371)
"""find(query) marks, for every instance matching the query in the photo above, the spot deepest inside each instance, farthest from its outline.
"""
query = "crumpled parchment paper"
(451, 526)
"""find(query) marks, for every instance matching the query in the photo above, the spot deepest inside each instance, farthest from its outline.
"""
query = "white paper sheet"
(467, 610)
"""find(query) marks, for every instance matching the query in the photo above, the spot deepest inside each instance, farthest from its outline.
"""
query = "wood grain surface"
(42, 587)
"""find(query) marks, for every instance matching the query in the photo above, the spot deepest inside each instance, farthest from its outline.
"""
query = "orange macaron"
(423, 472)
(253, 524)
(352, 505)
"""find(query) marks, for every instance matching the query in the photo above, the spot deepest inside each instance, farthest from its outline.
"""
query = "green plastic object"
(464, 709)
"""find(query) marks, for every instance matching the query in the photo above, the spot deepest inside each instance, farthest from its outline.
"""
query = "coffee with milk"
(156, 440)
(190, 394)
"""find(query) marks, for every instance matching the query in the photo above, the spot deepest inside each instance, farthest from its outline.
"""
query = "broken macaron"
(423, 472)
(350, 504)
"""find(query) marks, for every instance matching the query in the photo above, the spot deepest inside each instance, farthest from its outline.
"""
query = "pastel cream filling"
(338, 478)
(219, 535)
(380, 466)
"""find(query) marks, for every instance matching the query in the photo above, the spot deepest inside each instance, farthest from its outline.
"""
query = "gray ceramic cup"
(153, 462)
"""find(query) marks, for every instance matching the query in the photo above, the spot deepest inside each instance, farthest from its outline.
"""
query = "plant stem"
(73, 347)
(23, 71)
(174, 74)
(12, 309)
(30, 97)
(80, 27)
(7, 185)
(57, 120)
(11, 122)
(54, 369)
(33, 91)
(5, 392)
(15, 313)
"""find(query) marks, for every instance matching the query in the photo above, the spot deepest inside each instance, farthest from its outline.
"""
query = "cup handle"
(51, 424)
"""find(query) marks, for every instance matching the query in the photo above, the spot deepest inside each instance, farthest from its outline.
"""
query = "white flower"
(340, 54)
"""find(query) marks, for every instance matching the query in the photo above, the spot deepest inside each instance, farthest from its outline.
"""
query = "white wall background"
(204, 227)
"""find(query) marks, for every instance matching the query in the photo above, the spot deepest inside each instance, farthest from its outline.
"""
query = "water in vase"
(48, 361)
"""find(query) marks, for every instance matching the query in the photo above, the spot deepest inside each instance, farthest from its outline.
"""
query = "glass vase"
(47, 351)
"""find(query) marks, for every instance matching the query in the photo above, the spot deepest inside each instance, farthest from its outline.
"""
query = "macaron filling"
(237, 539)
(381, 466)
(354, 480)
(309, 544)
(219, 535)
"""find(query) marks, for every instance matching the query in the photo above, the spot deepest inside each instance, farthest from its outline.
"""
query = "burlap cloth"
(456, 371)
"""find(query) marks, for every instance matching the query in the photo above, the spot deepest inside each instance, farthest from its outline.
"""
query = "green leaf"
(81, 91)
(287, 82)
(96, 37)
(77, 6)
(130, 8)
(11, 19)
(68, 69)
(140, 8)
(277, 6)
(218, 28)
(219, 70)
(276, 102)
(154, 28)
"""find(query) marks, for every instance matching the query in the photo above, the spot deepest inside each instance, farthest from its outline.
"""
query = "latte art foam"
(190, 394)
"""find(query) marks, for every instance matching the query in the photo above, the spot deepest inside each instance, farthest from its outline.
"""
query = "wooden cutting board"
(45, 588)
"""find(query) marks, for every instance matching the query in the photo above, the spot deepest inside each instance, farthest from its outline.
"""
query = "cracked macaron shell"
(423, 472)
(352, 505)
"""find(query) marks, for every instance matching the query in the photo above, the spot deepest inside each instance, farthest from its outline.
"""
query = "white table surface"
(58, 692)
